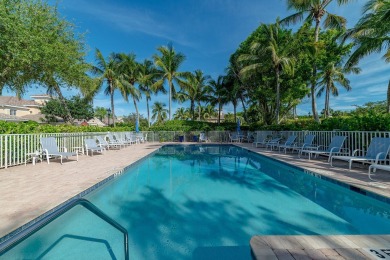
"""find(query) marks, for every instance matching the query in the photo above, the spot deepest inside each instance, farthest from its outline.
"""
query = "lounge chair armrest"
(355, 151)
(377, 157)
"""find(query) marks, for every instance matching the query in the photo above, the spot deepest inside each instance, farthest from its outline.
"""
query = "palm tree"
(315, 10)
(128, 68)
(107, 71)
(371, 33)
(208, 112)
(276, 52)
(217, 94)
(194, 89)
(182, 114)
(333, 74)
(146, 79)
(159, 112)
(168, 64)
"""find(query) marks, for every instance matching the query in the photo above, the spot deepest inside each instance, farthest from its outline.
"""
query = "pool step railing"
(8, 244)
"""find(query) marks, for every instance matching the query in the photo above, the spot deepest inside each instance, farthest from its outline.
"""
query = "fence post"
(6, 151)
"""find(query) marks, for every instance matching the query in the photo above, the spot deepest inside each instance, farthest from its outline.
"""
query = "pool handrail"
(8, 244)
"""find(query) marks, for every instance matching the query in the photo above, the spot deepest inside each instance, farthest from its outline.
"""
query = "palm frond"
(335, 21)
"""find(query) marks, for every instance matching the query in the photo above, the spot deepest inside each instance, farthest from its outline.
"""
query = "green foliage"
(369, 122)
(100, 112)
(187, 126)
(38, 46)
(79, 109)
(32, 127)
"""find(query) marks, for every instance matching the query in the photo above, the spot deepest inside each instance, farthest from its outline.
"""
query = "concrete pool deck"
(27, 192)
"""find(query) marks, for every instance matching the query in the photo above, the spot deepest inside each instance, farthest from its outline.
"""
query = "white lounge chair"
(335, 147)
(377, 151)
(114, 140)
(91, 145)
(50, 149)
(202, 137)
(106, 145)
(130, 138)
(234, 137)
(261, 139)
(273, 143)
(140, 137)
(375, 166)
(289, 142)
(307, 142)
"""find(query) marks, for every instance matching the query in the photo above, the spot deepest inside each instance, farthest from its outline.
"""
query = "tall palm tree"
(276, 52)
(168, 63)
(333, 74)
(146, 78)
(194, 89)
(107, 71)
(217, 94)
(315, 11)
(128, 67)
(159, 112)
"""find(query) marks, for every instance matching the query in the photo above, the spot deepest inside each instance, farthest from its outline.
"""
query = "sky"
(207, 32)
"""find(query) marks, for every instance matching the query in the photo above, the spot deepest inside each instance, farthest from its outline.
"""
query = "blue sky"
(207, 32)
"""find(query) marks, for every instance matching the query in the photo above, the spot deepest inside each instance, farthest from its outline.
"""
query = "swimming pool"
(203, 202)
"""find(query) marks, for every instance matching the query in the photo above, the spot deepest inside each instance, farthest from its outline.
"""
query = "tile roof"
(14, 101)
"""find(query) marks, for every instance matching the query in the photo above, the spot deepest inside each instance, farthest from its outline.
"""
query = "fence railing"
(15, 147)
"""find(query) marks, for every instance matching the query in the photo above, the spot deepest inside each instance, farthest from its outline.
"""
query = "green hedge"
(187, 126)
(33, 127)
(350, 123)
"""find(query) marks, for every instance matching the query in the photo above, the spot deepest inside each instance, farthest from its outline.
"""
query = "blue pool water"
(204, 202)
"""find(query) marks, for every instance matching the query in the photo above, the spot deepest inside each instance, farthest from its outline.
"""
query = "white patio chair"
(51, 150)
(377, 151)
(91, 145)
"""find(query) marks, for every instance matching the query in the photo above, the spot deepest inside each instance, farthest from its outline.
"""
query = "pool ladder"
(46, 220)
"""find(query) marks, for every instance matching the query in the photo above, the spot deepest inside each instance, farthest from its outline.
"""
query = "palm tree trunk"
(388, 98)
(192, 108)
(277, 95)
(313, 81)
(147, 108)
(235, 111)
(219, 112)
(326, 112)
(136, 109)
(244, 108)
(199, 111)
(170, 98)
(112, 104)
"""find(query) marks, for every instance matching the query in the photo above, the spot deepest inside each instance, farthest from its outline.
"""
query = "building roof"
(96, 121)
(14, 101)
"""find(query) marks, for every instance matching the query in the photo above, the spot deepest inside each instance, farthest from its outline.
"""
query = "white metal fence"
(15, 147)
